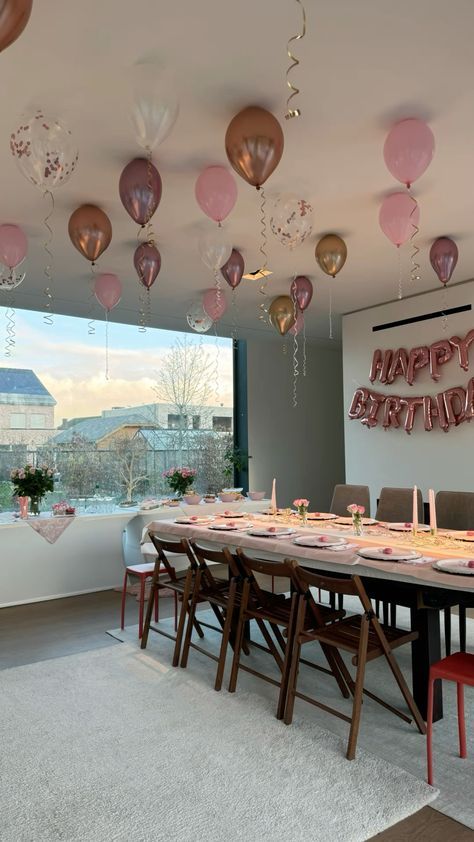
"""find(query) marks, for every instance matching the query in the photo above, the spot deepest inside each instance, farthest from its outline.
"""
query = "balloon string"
(295, 368)
(304, 346)
(106, 344)
(444, 305)
(263, 251)
(234, 319)
(217, 279)
(216, 366)
(91, 320)
(415, 266)
(330, 312)
(141, 312)
(294, 112)
(48, 290)
(400, 283)
(10, 332)
(150, 234)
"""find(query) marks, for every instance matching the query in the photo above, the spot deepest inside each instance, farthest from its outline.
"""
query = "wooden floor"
(43, 630)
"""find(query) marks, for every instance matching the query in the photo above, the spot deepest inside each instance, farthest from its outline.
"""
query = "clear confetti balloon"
(214, 249)
(197, 318)
(44, 150)
(9, 280)
(291, 221)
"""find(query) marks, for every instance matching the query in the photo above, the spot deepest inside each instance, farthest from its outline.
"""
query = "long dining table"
(415, 585)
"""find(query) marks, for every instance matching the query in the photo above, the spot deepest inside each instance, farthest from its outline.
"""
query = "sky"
(72, 364)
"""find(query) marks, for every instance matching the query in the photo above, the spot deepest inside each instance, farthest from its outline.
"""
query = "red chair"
(142, 572)
(459, 668)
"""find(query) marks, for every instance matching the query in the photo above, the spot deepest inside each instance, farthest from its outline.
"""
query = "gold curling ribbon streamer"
(294, 112)
(444, 307)
(48, 289)
(263, 317)
(106, 344)
(90, 319)
(330, 312)
(234, 318)
(304, 346)
(10, 331)
(295, 359)
(400, 282)
(216, 365)
(415, 266)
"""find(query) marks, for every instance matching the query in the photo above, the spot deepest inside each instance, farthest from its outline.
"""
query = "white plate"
(407, 527)
(232, 515)
(366, 521)
(461, 536)
(378, 554)
(269, 512)
(315, 541)
(196, 521)
(265, 533)
(318, 515)
(454, 565)
(227, 527)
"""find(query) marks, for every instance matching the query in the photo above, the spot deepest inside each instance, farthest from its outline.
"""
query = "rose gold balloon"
(359, 403)
(254, 144)
(391, 411)
(450, 396)
(147, 262)
(14, 15)
(331, 254)
(140, 190)
(412, 405)
(282, 314)
(90, 231)
(376, 402)
(417, 358)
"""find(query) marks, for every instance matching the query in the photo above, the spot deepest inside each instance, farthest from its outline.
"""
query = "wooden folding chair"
(362, 635)
(175, 582)
(272, 612)
(221, 596)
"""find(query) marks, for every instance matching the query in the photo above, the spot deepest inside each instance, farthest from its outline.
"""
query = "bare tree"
(129, 460)
(185, 382)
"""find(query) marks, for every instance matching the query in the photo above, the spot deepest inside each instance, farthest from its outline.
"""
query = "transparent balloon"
(291, 221)
(197, 318)
(10, 280)
(155, 106)
(44, 150)
(214, 249)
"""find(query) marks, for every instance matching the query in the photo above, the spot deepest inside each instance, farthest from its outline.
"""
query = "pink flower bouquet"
(180, 479)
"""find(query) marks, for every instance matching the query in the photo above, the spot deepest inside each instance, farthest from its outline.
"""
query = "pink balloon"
(147, 262)
(398, 215)
(108, 291)
(408, 150)
(214, 304)
(443, 258)
(302, 291)
(298, 325)
(216, 192)
(13, 245)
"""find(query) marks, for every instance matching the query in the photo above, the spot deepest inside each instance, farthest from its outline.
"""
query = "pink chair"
(459, 668)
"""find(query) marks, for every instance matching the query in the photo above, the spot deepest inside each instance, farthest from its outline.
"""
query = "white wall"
(432, 459)
(303, 447)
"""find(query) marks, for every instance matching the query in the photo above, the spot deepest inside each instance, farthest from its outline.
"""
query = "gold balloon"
(331, 253)
(254, 144)
(90, 231)
(282, 314)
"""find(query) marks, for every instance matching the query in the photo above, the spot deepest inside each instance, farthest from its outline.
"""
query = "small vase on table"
(356, 513)
(302, 508)
(35, 505)
(23, 503)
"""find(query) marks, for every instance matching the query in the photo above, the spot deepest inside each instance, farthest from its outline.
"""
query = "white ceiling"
(364, 65)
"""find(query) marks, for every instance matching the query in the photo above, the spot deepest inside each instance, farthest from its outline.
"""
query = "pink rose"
(361, 510)
(387, 551)
(323, 538)
(193, 517)
(353, 508)
(470, 532)
(470, 562)
(272, 529)
(408, 525)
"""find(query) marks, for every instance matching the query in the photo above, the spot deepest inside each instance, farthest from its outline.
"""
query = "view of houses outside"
(115, 453)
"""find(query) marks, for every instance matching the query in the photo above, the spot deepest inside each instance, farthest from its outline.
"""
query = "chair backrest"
(396, 505)
(223, 556)
(303, 580)
(250, 566)
(179, 547)
(455, 509)
(344, 495)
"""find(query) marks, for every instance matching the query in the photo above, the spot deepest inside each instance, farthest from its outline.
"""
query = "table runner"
(345, 561)
(50, 528)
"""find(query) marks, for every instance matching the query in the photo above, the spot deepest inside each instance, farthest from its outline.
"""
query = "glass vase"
(35, 505)
(357, 527)
(23, 503)
(303, 517)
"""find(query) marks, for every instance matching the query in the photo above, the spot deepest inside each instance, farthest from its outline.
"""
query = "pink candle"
(431, 500)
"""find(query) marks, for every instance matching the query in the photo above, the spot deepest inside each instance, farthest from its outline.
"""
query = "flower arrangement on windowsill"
(302, 506)
(62, 509)
(33, 483)
(180, 480)
(356, 512)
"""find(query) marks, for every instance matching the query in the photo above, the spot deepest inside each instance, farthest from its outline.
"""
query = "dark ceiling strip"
(439, 313)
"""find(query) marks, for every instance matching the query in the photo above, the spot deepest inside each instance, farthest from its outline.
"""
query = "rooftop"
(22, 386)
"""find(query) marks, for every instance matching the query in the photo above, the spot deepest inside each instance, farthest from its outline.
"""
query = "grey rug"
(381, 733)
(116, 745)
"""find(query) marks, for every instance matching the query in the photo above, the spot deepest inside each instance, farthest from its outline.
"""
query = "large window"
(167, 401)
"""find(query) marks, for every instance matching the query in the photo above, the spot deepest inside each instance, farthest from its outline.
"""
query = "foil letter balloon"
(90, 231)
(254, 144)
(140, 190)
(282, 314)
(331, 254)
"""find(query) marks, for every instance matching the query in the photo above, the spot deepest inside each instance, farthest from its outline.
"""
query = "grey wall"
(433, 459)
(303, 447)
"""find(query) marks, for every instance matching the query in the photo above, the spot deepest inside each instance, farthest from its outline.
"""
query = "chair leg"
(285, 676)
(462, 628)
(429, 733)
(358, 691)
(393, 614)
(124, 596)
(157, 609)
(182, 617)
(190, 623)
(175, 597)
(377, 608)
(225, 636)
(447, 630)
(239, 638)
(385, 613)
(461, 721)
(295, 663)
(340, 601)
(149, 609)
(141, 606)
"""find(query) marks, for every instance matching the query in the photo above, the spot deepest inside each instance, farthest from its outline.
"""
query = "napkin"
(339, 548)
